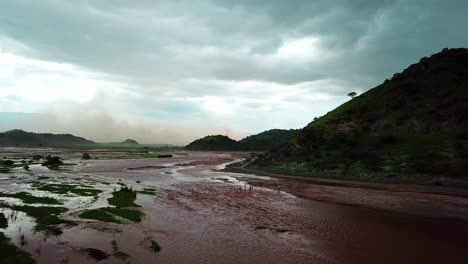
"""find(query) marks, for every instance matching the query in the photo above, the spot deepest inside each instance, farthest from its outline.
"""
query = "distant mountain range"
(415, 123)
(20, 138)
(267, 140)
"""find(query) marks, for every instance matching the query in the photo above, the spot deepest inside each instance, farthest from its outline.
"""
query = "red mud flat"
(197, 218)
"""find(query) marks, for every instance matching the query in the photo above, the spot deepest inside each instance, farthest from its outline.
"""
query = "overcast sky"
(171, 71)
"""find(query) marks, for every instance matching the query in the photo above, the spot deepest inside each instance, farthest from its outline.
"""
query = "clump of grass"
(3, 221)
(147, 192)
(155, 246)
(112, 215)
(108, 230)
(117, 253)
(129, 214)
(96, 254)
(101, 215)
(46, 217)
(5, 170)
(31, 199)
(123, 198)
(67, 188)
(9, 253)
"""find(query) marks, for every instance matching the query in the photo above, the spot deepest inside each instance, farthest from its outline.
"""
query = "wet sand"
(199, 216)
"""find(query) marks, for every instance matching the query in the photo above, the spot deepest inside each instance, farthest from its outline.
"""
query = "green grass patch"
(5, 170)
(147, 192)
(129, 214)
(155, 246)
(123, 198)
(108, 230)
(67, 188)
(113, 215)
(30, 199)
(117, 253)
(46, 217)
(3, 221)
(101, 215)
(10, 254)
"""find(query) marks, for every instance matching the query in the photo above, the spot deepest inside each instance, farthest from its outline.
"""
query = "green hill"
(20, 138)
(267, 140)
(217, 143)
(412, 127)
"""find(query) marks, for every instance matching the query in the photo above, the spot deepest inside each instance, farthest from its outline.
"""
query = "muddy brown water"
(200, 216)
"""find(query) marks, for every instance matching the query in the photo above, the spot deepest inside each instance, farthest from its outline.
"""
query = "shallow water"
(198, 215)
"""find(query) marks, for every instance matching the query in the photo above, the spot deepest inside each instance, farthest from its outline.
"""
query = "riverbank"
(431, 201)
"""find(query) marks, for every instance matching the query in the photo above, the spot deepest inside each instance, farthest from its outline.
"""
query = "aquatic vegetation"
(147, 192)
(31, 199)
(80, 190)
(52, 161)
(96, 254)
(86, 156)
(5, 170)
(101, 215)
(155, 246)
(150, 244)
(129, 214)
(113, 215)
(108, 230)
(123, 198)
(117, 253)
(3, 221)
(9, 253)
(7, 162)
(46, 217)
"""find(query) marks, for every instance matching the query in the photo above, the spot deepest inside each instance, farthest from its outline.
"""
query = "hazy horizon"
(166, 72)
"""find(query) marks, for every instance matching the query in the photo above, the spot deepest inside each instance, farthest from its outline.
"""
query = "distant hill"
(20, 138)
(217, 142)
(267, 140)
(415, 123)
(127, 142)
(130, 142)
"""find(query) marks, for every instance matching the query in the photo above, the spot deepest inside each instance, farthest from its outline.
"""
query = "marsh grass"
(113, 215)
(80, 190)
(5, 170)
(46, 217)
(155, 246)
(101, 215)
(3, 221)
(31, 199)
(9, 253)
(117, 253)
(147, 192)
(129, 214)
(123, 198)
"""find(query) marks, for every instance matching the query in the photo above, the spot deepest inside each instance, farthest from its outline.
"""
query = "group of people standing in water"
(243, 190)
(240, 189)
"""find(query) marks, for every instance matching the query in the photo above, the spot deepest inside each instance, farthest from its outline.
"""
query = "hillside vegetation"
(267, 140)
(411, 127)
(20, 138)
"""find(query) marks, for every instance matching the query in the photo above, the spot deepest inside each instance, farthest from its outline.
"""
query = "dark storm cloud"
(231, 56)
(233, 39)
